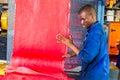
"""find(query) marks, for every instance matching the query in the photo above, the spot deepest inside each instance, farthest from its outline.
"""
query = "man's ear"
(92, 16)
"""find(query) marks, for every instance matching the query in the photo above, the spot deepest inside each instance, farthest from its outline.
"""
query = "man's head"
(87, 15)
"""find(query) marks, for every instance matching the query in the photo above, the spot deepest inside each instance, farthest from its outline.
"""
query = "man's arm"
(68, 42)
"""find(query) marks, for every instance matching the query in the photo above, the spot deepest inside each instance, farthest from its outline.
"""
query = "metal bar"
(10, 34)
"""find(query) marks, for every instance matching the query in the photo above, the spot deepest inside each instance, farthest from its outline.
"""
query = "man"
(94, 54)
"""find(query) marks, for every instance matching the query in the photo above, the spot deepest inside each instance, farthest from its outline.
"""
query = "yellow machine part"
(2, 68)
(113, 67)
(4, 20)
(110, 3)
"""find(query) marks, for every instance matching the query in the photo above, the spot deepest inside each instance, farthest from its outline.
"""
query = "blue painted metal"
(100, 11)
(104, 1)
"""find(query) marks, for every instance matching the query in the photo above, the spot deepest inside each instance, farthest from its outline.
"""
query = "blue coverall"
(94, 55)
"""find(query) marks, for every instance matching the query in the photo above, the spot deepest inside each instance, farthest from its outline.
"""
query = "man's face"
(85, 19)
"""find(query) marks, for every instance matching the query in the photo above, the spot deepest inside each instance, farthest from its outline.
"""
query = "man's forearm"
(74, 48)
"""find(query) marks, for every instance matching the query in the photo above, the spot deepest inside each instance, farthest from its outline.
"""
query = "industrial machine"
(4, 20)
(114, 37)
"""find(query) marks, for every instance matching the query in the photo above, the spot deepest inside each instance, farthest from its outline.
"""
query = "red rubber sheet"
(36, 53)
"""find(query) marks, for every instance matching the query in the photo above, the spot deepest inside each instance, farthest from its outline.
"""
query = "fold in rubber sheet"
(36, 53)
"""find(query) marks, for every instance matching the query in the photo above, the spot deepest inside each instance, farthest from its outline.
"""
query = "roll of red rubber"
(36, 53)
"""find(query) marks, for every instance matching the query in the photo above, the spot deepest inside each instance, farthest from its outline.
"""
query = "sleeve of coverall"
(90, 49)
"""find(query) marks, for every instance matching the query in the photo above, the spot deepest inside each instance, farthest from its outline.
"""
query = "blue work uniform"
(94, 55)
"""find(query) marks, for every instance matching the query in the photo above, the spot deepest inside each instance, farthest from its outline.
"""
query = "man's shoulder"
(97, 28)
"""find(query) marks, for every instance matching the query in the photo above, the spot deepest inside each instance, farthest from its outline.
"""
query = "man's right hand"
(68, 55)
(62, 39)
(68, 42)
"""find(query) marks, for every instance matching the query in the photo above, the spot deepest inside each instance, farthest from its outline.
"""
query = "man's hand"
(68, 55)
(68, 42)
(64, 40)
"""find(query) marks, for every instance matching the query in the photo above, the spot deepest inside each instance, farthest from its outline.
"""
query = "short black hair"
(87, 8)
